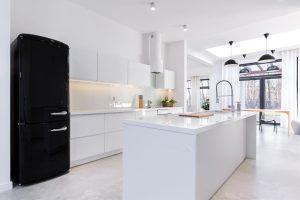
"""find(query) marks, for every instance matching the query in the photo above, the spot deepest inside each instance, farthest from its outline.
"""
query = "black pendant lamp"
(266, 57)
(231, 62)
(245, 70)
(272, 67)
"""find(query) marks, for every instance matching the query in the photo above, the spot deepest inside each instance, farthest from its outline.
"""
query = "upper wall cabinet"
(112, 69)
(139, 74)
(83, 64)
(166, 80)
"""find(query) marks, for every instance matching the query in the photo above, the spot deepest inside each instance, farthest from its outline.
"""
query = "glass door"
(272, 98)
(250, 94)
(261, 92)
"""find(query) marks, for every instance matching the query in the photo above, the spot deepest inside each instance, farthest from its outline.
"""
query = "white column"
(5, 95)
(176, 60)
(214, 78)
(196, 94)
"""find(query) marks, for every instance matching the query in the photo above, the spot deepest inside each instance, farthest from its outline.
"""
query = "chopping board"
(197, 115)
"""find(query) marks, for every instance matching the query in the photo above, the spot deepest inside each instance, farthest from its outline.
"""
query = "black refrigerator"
(40, 119)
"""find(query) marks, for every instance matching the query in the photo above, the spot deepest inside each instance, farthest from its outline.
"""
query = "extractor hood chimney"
(155, 47)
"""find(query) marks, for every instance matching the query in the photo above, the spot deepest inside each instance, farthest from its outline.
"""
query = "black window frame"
(204, 87)
(262, 81)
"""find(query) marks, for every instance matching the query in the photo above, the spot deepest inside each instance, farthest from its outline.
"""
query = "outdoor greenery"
(205, 104)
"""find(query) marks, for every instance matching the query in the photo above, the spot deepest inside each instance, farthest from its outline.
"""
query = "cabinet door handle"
(59, 113)
(59, 129)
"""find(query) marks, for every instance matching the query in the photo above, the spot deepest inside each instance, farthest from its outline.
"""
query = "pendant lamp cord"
(266, 45)
(231, 42)
(266, 36)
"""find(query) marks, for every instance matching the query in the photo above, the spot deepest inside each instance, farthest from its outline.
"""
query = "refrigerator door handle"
(59, 129)
(59, 113)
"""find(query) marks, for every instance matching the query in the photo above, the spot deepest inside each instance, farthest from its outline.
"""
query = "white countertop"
(118, 110)
(188, 125)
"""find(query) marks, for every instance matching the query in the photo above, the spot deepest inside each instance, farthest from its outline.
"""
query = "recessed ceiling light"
(152, 6)
(185, 28)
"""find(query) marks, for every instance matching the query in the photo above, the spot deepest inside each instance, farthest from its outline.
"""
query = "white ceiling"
(211, 22)
(276, 41)
(196, 68)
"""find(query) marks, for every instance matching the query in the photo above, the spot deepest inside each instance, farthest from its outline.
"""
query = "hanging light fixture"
(266, 57)
(245, 70)
(231, 62)
(185, 28)
(272, 67)
(152, 6)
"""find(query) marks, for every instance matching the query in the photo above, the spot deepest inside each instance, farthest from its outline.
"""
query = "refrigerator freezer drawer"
(45, 114)
(44, 151)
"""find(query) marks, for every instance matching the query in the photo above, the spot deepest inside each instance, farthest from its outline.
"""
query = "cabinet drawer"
(113, 121)
(177, 110)
(146, 113)
(164, 111)
(113, 141)
(86, 147)
(85, 125)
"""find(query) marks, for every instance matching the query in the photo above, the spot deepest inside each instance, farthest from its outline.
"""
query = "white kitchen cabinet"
(139, 74)
(166, 80)
(94, 136)
(171, 110)
(146, 113)
(86, 147)
(83, 64)
(113, 130)
(113, 141)
(112, 69)
(177, 110)
(164, 111)
(86, 125)
(113, 121)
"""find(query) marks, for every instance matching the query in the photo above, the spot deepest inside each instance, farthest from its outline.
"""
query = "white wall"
(5, 95)
(195, 68)
(84, 30)
(76, 26)
(89, 95)
(216, 76)
(176, 59)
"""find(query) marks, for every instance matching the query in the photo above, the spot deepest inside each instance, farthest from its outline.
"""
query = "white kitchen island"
(169, 157)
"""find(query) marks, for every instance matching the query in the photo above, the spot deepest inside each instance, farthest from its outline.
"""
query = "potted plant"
(166, 102)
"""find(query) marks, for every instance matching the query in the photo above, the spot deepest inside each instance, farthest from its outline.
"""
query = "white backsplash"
(93, 95)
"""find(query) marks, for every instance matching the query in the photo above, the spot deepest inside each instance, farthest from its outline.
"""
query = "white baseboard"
(94, 158)
(5, 186)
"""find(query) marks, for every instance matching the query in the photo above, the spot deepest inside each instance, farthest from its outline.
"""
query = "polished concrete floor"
(275, 175)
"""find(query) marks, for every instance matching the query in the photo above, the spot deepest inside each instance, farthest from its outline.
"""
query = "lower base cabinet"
(100, 135)
(113, 141)
(85, 147)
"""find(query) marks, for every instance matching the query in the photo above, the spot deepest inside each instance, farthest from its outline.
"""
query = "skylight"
(276, 41)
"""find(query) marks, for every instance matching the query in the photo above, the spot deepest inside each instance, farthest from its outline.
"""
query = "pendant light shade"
(245, 70)
(273, 68)
(266, 57)
(231, 62)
